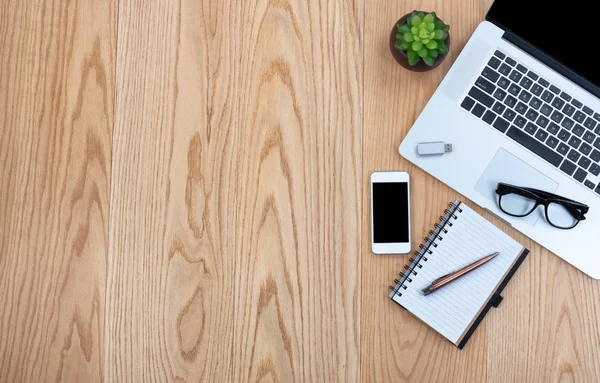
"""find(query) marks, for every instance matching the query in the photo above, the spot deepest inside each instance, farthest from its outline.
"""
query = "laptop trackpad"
(509, 169)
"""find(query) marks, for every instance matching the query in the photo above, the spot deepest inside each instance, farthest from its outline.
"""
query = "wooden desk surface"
(184, 197)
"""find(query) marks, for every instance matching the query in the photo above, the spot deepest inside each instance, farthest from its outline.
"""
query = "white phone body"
(390, 213)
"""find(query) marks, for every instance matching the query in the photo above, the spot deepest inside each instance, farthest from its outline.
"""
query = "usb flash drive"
(433, 148)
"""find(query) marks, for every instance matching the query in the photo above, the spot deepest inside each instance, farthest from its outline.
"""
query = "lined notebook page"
(451, 309)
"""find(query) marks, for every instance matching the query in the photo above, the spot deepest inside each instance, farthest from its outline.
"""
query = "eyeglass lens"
(559, 216)
(516, 204)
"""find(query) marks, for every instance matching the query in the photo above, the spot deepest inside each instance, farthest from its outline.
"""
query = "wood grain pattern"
(235, 192)
(56, 112)
(173, 203)
(297, 282)
(547, 328)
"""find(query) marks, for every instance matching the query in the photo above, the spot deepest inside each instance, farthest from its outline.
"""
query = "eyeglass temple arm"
(555, 196)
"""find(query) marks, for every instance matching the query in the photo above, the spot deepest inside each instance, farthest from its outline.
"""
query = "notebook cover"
(491, 302)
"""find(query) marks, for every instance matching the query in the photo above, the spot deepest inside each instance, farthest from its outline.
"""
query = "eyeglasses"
(561, 212)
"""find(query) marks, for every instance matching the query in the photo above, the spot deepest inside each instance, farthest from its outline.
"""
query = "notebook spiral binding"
(420, 256)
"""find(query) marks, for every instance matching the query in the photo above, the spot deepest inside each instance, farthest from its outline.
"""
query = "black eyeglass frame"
(544, 198)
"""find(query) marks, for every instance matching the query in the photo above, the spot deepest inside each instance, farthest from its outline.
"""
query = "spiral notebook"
(461, 237)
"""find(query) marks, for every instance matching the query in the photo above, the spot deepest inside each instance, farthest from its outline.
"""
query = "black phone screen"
(390, 212)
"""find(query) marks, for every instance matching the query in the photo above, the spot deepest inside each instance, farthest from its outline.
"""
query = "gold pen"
(445, 279)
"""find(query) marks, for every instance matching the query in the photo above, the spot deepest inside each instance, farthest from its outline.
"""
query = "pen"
(445, 279)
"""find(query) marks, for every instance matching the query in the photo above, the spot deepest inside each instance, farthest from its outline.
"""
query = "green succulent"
(422, 37)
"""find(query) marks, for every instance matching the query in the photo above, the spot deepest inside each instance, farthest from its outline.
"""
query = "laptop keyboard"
(539, 116)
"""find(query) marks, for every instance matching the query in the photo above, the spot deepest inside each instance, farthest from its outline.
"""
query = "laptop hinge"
(552, 63)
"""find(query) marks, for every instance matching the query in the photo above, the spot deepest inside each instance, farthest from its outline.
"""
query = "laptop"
(521, 109)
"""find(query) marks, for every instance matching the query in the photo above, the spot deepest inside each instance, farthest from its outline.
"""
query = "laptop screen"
(540, 23)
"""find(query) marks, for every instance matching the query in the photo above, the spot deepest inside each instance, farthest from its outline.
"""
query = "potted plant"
(419, 41)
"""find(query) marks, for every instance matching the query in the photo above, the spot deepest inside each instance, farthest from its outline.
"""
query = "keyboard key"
(557, 116)
(568, 110)
(490, 74)
(541, 135)
(489, 117)
(520, 121)
(589, 137)
(589, 123)
(597, 143)
(595, 169)
(543, 82)
(530, 128)
(468, 103)
(580, 175)
(563, 135)
(546, 110)
(510, 101)
(478, 110)
(494, 62)
(596, 116)
(521, 68)
(565, 96)
(504, 69)
(573, 155)
(532, 75)
(587, 110)
(574, 142)
(554, 89)
(525, 96)
(532, 115)
(579, 116)
(585, 149)
(597, 190)
(552, 142)
(558, 103)
(537, 89)
(481, 97)
(510, 61)
(542, 121)
(498, 107)
(521, 108)
(578, 130)
(595, 155)
(515, 76)
(567, 123)
(576, 103)
(484, 84)
(514, 89)
(568, 167)
(526, 83)
(501, 124)
(535, 146)
(535, 103)
(499, 94)
(499, 54)
(597, 130)
(553, 128)
(589, 184)
(503, 82)
(547, 96)
(584, 162)
(509, 115)
(563, 149)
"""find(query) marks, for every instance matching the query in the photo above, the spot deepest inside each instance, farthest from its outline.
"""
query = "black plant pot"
(402, 58)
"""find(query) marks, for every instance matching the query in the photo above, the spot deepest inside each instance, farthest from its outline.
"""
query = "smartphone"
(390, 213)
